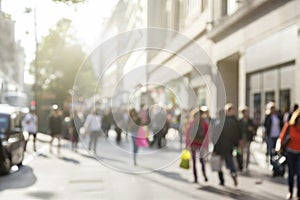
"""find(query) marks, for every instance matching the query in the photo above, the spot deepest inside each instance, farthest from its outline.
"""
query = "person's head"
(32, 109)
(271, 109)
(296, 106)
(245, 111)
(55, 107)
(295, 119)
(229, 109)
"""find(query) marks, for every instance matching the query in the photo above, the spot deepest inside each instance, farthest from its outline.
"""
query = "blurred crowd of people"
(226, 137)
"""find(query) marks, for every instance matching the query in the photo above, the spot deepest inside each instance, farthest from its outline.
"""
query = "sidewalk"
(82, 173)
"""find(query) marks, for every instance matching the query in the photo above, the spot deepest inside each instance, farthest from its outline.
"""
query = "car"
(12, 140)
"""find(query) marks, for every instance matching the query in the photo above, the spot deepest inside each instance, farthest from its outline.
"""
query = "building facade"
(11, 57)
(254, 44)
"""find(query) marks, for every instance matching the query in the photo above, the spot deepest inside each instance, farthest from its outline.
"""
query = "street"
(79, 175)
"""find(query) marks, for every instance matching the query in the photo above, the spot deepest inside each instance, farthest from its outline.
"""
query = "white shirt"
(275, 128)
(30, 122)
(92, 123)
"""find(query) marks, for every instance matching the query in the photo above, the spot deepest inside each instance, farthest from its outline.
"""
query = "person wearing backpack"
(197, 141)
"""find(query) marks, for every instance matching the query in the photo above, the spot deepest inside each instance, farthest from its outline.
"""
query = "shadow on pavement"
(172, 175)
(23, 178)
(265, 177)
(71, 160)
(41, 195)
(238, 194)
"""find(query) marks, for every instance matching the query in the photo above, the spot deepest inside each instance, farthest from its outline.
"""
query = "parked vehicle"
(12, 140)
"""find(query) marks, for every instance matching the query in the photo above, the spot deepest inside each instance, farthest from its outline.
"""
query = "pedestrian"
(273, 125)
(134, 123)
(248, 131)
(93, 126)
(106, 122)
(30, 123)
(197, 141)
(73, 130)
(118, 124)
(143, 114)
(55, 126)
(228, 139)
(292, 130)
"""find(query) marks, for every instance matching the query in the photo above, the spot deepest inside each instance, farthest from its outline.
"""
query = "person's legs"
(291, 167)
(58, 147)
(203, 169)
(230, 165)
(221, 177)
(159, 136)
(297, 172)
(95, 140)
(135, 149)
(91, 139)
(272, 146)
(193, 151)
(34, 140)
(50, 143)
(242, 154)
(247, 149)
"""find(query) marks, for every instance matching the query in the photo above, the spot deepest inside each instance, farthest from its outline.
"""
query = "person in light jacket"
(93, 126)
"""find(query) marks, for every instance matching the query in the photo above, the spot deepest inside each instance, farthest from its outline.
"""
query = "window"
(257, 102)
(232, 6)
(202, 96)
(270, 96)
(285, 100)
(4, 122)
(229, 7)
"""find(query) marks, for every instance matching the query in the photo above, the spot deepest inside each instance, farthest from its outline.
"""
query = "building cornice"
(248, 13)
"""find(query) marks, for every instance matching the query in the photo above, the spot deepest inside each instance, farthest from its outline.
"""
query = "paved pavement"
(79, 175)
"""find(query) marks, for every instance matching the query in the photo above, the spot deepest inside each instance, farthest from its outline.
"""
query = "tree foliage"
(59, 59)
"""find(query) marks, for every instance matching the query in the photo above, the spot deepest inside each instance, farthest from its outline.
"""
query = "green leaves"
(59, 58)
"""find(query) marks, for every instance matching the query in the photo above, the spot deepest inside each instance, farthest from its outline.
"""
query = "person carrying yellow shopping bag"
(197, 141)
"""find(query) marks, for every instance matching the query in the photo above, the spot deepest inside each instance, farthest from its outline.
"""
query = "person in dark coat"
(106, 122)
(73, 130)
(248, 131)
(55, 126)
(273, 124)
(229, 138)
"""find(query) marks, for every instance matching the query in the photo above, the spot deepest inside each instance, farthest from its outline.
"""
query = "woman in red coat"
(292, 130)
(197, 141)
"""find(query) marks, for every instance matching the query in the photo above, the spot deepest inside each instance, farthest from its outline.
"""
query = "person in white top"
(30, 124)
(93, 125)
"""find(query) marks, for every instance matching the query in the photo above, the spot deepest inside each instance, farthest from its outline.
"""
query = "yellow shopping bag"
(185, 159)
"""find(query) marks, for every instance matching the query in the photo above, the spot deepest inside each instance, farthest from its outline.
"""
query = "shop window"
(269, 96)
(257, 108)
(285, 100)
(257, 102)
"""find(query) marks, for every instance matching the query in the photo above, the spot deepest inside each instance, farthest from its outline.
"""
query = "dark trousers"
(293, 161)
(135, 148)
(229, 165)
(271, 143)
(194, 158)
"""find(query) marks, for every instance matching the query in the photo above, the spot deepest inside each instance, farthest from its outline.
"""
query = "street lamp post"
(36, 74)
